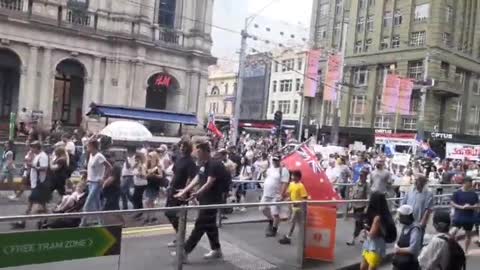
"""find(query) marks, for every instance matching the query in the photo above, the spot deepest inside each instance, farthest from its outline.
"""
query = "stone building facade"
(139, 53)
(401, 34)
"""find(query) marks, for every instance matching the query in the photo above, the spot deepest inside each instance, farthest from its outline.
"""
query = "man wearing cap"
(435, 256)
(275, 185)
(409, 242)
(421, 201)
(465, 201)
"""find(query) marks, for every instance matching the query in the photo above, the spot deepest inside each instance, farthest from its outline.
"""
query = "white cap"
(405, 210)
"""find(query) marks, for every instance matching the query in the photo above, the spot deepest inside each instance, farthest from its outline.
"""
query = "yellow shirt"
(297, 191)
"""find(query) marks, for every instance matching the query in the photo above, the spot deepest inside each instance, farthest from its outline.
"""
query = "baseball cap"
(276, 158)
(405, 210)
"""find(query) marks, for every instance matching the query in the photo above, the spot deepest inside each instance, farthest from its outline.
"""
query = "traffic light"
(277, 117)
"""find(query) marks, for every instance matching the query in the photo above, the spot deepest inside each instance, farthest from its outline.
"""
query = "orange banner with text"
(320, 233)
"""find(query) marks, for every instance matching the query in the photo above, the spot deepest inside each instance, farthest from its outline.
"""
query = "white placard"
(462, 151)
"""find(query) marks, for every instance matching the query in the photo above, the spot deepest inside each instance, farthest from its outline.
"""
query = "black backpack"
(390, 231)
(457, 260)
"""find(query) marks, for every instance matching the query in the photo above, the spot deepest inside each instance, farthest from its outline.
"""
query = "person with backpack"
(380, 231)
(442, 252)
(213, 181)
(359, 192)
(409, 242)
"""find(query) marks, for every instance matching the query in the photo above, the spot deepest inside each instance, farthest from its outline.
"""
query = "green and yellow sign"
(36, 247)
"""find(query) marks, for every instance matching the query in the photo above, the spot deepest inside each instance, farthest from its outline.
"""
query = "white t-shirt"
(70, 147)
(40, 160)
(128, 171)
(273, 182)
(138, 179)
(96, 167)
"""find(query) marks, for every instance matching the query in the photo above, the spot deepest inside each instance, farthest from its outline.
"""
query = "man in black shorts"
(465, 201)
(213, 180)
(184, 170)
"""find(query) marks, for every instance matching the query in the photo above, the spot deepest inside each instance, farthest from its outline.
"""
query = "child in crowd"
(296, 192)
(69, 201)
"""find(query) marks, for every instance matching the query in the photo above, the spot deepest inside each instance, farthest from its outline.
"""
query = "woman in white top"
(139, 180)
(246, 173)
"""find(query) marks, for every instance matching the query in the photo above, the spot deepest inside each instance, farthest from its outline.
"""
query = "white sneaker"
(13, 198)
(214, 254)
(243, 209)
(172, 244)
(185, 256)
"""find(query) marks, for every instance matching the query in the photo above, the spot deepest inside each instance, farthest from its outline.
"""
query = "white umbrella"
(126, 131)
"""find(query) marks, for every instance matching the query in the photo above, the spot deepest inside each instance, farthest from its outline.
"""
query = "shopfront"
(438, 141)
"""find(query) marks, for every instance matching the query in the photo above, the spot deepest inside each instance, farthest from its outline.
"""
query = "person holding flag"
(212, 127)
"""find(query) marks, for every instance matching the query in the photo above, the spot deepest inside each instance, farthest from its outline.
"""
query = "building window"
(336, 30)
(276, 67)
(415, 70)
(215, 91)
(447, 39)
(457, 108)
(360, 24)
(459, 76)
(166, 13)
(298, 84)
(396, 42)
(358, 47)
(387, 18)
(285, 85)
(371, 3)
(417, 38)
(474, 115)
(445, 67)
(338, 7)
(362, 4)
(284, 106)
(358, 104)
(324, 8)
(414, 105)
(397, 18)
(422, 12)
(288, 65)
(299, 63)
(226, 88)
(383, 121)
(370, 20)
(360, 76)
(355, 121)
(224, 107)
(368, 43)
(384, 43)
(274, 86)
(449, 14)
(322, 32)
(295, 106)
(475, 85)
(409, 123)
(272, 107)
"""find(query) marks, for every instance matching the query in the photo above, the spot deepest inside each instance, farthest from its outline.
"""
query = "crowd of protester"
(202, 172)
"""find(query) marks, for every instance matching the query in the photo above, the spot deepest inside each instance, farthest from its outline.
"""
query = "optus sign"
(462, 151)
(37, 247)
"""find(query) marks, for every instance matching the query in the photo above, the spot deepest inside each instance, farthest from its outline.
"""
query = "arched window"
(215, 91)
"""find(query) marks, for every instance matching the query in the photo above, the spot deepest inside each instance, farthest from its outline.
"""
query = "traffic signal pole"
(239, 90)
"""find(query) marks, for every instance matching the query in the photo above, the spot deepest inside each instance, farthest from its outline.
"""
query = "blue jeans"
(93, 202)
(126, 195)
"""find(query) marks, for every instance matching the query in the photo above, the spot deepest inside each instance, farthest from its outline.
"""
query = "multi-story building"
(403, 34)
(220, 93)
(286, 84)
(144, 53)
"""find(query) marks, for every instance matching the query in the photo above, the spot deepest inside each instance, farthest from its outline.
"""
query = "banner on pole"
(390, 93)
(311, 79)
(405, 95)
(320, 233)
(334, 66)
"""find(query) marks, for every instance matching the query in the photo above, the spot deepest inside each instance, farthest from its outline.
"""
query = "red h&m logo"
(163, 80)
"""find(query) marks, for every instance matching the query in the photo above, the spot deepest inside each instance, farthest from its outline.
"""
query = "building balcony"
(168, 36)
(13, 7)
(447, 88)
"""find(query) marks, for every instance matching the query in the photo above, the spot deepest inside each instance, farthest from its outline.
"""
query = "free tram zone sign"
(37, 247)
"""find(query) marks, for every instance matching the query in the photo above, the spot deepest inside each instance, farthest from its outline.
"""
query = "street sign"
(37, 247)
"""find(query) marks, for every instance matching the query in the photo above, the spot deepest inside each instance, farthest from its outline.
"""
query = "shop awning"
(111, 111)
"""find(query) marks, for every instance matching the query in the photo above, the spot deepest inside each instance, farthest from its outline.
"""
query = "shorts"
(151, 193)
(274, 209)
(468, 227)
(372, 258)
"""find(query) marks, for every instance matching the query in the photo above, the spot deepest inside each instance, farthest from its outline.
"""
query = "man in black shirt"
(213, 179)
(184, 170)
